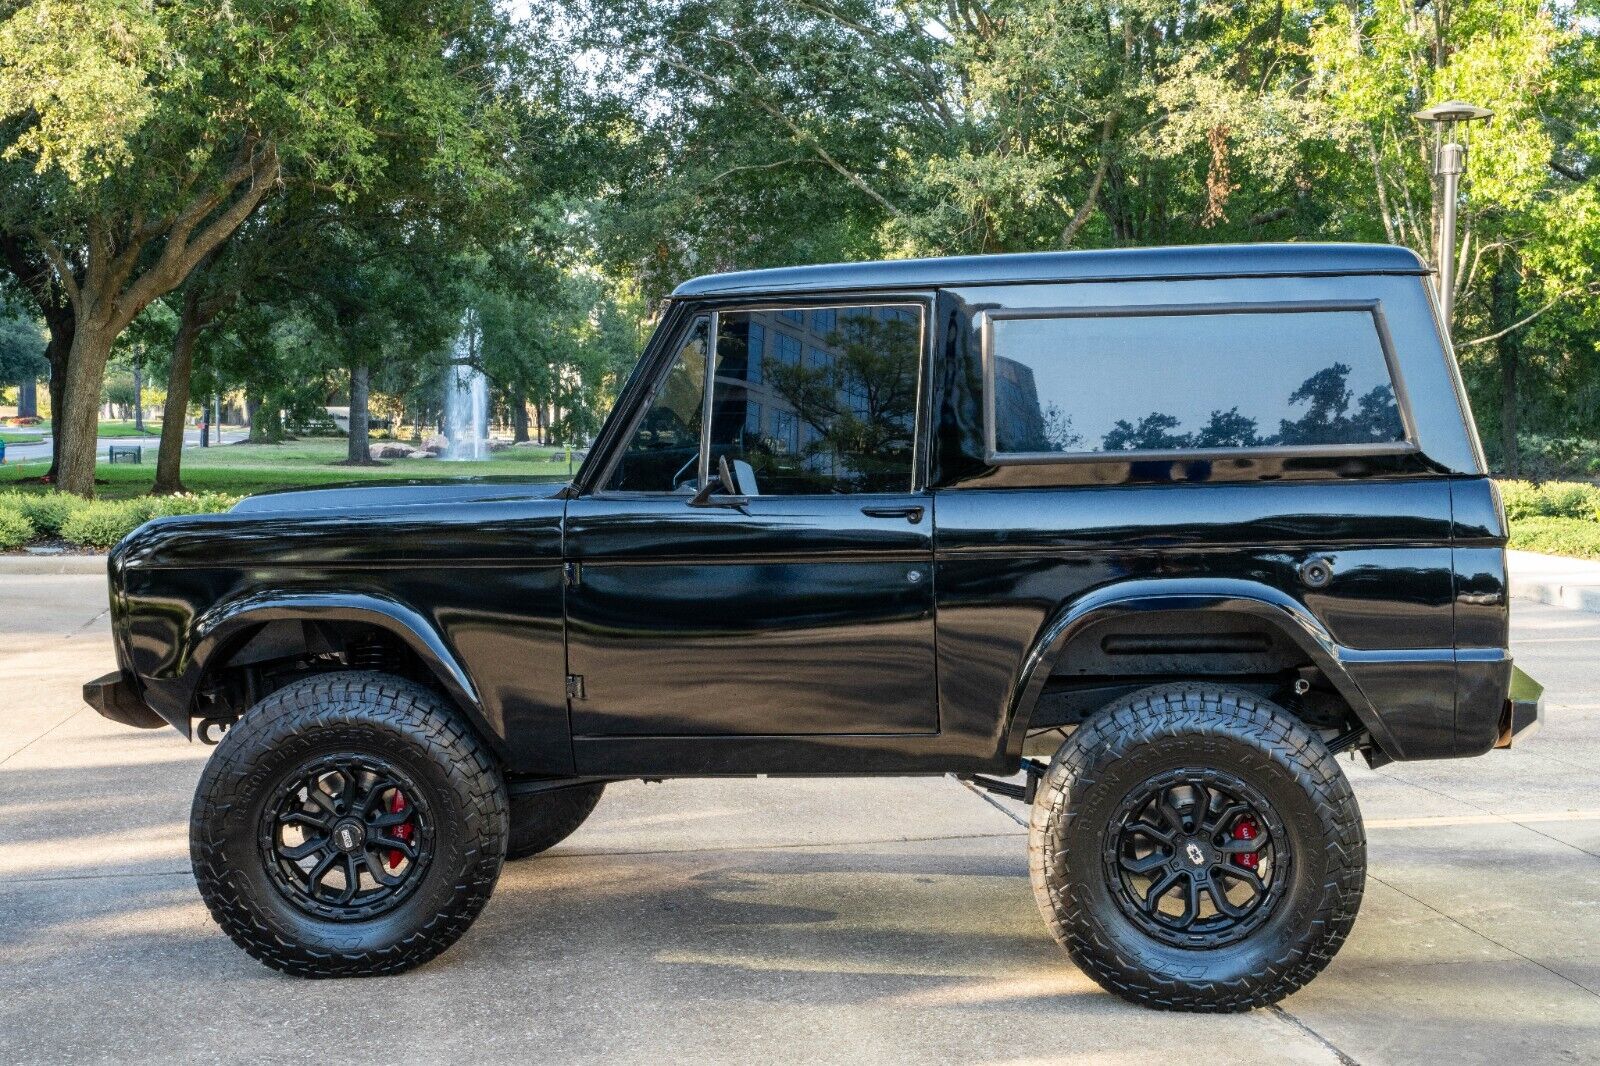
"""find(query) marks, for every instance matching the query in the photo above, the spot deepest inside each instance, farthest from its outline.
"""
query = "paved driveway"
(791, 921)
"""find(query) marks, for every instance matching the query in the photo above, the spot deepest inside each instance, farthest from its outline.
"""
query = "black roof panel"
(1191, 261)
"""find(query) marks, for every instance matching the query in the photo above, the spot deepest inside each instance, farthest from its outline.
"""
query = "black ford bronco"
(1162, 531)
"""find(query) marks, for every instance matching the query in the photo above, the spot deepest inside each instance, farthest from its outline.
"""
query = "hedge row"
(1552, 499)
(1578, 538)
(93, 523)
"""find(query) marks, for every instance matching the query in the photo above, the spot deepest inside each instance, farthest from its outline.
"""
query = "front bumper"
(116, 697)
(1524, 709)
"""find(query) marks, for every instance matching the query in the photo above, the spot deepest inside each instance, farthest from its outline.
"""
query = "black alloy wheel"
(1199, 860)
(347, 836)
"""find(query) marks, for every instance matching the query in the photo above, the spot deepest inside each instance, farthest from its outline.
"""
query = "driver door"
(803, 607)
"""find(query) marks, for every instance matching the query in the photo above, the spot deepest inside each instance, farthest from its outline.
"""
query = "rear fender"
(1184, 594)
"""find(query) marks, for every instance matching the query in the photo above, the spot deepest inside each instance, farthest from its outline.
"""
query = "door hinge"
(574, 572)
(575, 687)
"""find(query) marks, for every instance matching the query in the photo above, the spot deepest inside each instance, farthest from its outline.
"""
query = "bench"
(127, 453)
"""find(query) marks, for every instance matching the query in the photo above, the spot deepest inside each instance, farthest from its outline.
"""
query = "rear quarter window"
(1100, 383)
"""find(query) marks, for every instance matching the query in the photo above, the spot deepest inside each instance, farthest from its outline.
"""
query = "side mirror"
(726, 483)
(730, 484)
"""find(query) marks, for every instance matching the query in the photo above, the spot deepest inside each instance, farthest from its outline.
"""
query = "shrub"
(15, 529)
(1576, 537)
(101, 523)
(1553, 499)
(46, 510)
(1519, 498)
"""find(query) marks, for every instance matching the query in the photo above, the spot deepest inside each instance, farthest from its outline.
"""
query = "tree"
(138, 138)
(22, 345)
(1529, 228)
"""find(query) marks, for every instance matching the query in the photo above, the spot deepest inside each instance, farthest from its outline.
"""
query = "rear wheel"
(544, 819)
(348, 825)
(1197, 848)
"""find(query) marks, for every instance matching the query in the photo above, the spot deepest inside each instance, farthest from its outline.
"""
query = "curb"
(1572, 597)
(53, 564)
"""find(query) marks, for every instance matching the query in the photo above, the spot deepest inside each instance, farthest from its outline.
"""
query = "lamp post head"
(1452, 111)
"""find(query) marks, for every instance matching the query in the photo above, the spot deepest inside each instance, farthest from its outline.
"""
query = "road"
(781, 920)
(16, 453)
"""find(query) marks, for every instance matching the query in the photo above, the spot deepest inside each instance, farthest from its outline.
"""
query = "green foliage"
(15, 529)
(46, 510)
(98, 523)
(1553, 499)
(21, 347)
(101, 523)
(1575, 537)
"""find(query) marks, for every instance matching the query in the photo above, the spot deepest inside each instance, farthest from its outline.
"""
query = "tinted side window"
(1176, 382)
(831, 405)
(664, 454)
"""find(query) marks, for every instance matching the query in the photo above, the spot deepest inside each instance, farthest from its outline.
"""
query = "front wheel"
(349, 825)
(1197, 848)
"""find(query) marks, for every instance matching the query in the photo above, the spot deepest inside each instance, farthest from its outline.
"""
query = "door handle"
(912, 514)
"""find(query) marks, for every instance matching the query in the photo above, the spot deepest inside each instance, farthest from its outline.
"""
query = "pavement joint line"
(1339, 1053)
(1453, 920)
(103, 612)
(1447, 821)
(70, 716)
(4, 881)
(991, 801)
(1506, 818)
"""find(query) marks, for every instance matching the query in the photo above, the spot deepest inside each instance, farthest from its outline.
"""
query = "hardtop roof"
(1119, 264)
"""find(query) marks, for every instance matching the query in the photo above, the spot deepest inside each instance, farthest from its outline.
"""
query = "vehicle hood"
(421, 524)
(391, 495)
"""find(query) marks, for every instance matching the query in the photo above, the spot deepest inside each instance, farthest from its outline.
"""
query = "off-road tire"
(544, 819)
(1143, 735)
(365, 713)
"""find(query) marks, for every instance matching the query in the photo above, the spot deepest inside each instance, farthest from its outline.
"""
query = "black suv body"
(1220, 508)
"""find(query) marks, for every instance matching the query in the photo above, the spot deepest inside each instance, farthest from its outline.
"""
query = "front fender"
(1186, 594)
(214, 633)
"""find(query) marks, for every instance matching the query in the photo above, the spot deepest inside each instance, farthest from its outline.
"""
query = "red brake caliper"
(1246, 829)
(397, 803)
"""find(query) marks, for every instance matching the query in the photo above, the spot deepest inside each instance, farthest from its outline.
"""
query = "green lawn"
(126, 429)
(249, 468)
(21, 438)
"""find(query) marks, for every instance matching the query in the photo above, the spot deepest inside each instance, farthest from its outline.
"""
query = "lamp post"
(1449, 162)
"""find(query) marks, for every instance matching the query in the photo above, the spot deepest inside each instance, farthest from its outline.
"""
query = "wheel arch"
(222, 632)
(1237, 597)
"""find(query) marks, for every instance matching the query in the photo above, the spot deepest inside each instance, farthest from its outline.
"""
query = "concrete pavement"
(779, 920)
(1555, 579)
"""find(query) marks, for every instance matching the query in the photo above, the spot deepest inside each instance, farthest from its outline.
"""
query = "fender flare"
(1287, 614)
(214, 631)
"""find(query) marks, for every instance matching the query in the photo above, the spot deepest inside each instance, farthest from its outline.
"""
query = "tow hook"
(211, 730)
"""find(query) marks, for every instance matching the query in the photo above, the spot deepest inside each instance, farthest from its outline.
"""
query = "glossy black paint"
(908, 633)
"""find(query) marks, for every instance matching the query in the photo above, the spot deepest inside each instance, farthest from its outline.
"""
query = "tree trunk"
(76, 427)
(252, 408)
(28, 398)
(1503, 308)
(519, 418)
(58, 401)
(205, 424)
(169, 461)
(360, 453)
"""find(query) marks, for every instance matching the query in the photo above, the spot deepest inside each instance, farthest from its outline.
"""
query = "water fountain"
(466, 396)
